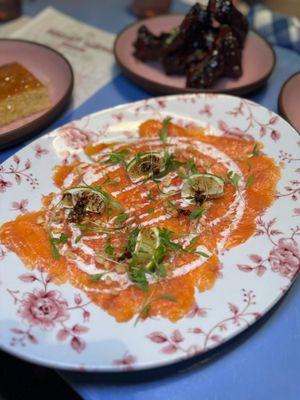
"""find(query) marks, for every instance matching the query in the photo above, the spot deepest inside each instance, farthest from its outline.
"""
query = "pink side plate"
(258, 62)
(51, 68)
(289, 101)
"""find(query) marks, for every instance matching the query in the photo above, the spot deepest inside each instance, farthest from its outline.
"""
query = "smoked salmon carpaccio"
(97, 248)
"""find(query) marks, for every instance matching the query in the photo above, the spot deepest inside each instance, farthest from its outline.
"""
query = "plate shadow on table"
(124, 87)
(188, 366)
(20, 380)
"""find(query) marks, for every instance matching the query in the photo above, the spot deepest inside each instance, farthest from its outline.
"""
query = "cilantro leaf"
(121, 218)
(117, 157)
(170, 164)
(172, 205)
(168, 297)
(192, 169)
(132, 240)
(255, 151)
(164, 132)
(193, 242)
(63, 238)
(78, 238)
(234, 179)
(198, 212)
(97, 277)
(138, 277)
(249, 181)
(109, 250)
(151, 195)
(54, 249)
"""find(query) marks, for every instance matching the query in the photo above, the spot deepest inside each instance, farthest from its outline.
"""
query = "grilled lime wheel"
(147, 242)
(145, 165)
(94, 200)
(206, 185)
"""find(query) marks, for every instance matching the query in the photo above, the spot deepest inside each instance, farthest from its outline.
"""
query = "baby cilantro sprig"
(154, 265)
(117, 157)
(163, 133)
(63, 238)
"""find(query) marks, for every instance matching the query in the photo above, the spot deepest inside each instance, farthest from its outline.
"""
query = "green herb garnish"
(137, 275)
(117, 157)
(234, 179)
(168, 297)
(109, 250)
(164, 132)
(193, 242)
(255, 151)
(97, 277)
(54, 241)
(250, 180)
(78, 238)
(196, 214)
(151, 195)
(170, 164)
(132, 240)
(172, 205)
(150, 211)
(121, 217)
(108, 181)
(191, 165)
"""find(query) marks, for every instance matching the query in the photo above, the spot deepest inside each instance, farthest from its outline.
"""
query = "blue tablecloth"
(267, 365)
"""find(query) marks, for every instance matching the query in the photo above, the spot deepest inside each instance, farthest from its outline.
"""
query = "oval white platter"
(58, 326)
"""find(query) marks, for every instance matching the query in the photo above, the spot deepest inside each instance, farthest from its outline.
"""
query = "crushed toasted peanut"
(56, 230)
(106, 265)
(167, 181)
(121, 268)
(108, 280)
(99, 258)
(70, 254)
(40, 220)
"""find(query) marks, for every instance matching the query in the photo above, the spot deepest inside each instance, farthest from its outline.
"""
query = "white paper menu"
(88, 49)
(7, 29)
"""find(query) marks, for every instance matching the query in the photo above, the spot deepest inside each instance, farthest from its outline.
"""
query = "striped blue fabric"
(278, 29)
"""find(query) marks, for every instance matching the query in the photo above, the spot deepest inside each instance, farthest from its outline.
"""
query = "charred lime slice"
(93, 201)
(144, 165)
(146, 243)
(203, 186)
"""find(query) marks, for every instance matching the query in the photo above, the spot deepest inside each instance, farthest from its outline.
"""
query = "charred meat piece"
(204, 74)
(207, 44)
(232, 53)
(191, 30)
(225, 13)
(225, 59)
(148, 47)
(175, 63)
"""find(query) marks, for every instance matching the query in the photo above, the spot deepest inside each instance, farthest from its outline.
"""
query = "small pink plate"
(289, 101)
(52, 69)
(258, 62)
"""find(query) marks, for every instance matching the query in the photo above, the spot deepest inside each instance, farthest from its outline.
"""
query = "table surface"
(268, 362)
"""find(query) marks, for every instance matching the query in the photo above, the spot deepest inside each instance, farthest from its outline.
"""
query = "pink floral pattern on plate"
(284, 257)
(17, 172)
(175, 342)
(58, 326)
(48, 310)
